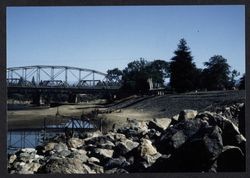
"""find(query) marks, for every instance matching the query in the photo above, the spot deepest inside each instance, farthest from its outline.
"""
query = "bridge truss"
(59, 77)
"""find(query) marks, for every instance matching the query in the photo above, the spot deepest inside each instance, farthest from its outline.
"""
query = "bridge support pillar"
(72, 98)
(37, 98)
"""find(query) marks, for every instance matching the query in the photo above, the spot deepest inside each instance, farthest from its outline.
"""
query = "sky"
(103, 38)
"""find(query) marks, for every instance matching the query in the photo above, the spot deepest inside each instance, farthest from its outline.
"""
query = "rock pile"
(189, 142)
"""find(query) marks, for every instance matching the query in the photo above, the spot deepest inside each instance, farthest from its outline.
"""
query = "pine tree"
(183, 72)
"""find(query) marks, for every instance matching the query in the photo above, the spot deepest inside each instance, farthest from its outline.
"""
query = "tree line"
(182, 71)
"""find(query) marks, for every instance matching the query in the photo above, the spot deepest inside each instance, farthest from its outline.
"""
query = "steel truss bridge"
(58, 79)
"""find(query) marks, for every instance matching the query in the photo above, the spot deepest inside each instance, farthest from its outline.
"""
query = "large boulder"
(124, 147)
(102, 154)
(175, 136)
(230, 132)
(67, 166)
(197, 154)
(159, 124)
(148, 152)
(134, 129)
(231, 159)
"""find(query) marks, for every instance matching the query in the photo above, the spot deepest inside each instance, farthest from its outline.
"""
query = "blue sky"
(103, 38)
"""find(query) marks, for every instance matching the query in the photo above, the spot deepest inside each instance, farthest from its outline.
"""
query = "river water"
(28, 138)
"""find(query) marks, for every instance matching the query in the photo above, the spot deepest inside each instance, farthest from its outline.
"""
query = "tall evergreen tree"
(183, 72)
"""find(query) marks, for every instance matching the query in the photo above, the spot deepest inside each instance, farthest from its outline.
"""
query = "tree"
(183, 72)
(135, 76)
(232, 80)
(216, 73)
(242, 82)
(114, 75)
(158, 70)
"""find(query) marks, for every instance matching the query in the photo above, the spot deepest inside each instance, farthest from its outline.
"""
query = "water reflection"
(30, 138)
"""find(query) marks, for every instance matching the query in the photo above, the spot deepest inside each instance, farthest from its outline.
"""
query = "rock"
(124, 147)
(85, 135)
(60, 147)
(162, 164)
(93, 160)
(159, 124)
(26, 157)
(175, 118)
(107, 145)
(153, 135)
(198, 153)
(49, 146)
(117, 136)
(27, 168)
(130, 133)
(187, 114)
(12, 158)
(64, 153)
(79, 154)
(231, 160)
(116, 171)
(75, 142)
(148, 152)
(116, 163)
(96, 168)
(101, 153)
(230, 132)
(98, 141)
(241, 120)
(29, 150)
(173, 137)
(134, 129)
(67, 166)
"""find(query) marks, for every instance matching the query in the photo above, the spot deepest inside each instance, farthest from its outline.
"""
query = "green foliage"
(135, 76)
(183, 71)
(158, 70)
(232, 80)
(216, 74)
(114, 75)
(242, 82)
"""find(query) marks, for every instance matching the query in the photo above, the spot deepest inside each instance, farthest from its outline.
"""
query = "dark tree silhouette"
(135, 76)
(216, 73)
(183, 72)
(242, 82)
(232, 80)
(158, 70)
(114, 75)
